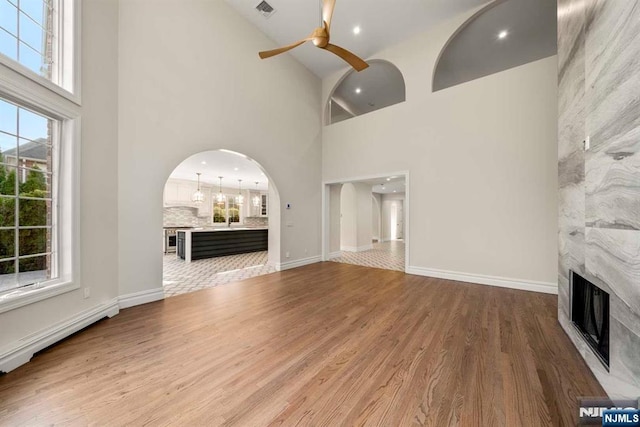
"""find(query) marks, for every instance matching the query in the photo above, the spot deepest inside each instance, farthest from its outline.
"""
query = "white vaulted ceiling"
(383, 23)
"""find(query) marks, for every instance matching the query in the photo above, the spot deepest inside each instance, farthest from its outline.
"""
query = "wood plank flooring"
(325, 345)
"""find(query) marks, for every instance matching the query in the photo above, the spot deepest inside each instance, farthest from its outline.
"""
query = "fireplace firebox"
(590, 315)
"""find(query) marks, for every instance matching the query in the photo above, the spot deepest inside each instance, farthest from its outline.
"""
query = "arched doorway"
(220, 222)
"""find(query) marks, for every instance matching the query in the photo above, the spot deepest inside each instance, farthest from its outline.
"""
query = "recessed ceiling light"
(394, 191)
(235, 169)
(356, 30)
(503, 34)
(358, 90)
(388, 179)
(203, 162)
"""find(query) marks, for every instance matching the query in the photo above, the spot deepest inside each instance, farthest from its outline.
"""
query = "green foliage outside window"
(31, 213)
(219, 213)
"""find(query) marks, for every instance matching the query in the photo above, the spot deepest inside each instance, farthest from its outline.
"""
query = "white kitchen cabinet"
(180, 192)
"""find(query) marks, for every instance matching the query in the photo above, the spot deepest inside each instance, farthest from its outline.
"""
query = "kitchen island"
(205, 243)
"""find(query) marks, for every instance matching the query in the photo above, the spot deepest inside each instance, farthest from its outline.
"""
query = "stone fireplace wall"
(599, 194)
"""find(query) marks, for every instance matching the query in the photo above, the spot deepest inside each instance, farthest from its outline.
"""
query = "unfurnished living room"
(319, 212)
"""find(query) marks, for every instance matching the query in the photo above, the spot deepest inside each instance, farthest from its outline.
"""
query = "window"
(39, 156)
(219, 212)
(27, 202)
(36, 34)
(225, 210)
(233, 209)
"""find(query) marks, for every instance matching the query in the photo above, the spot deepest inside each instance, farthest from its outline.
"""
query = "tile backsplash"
(256, 221)
(184, 216)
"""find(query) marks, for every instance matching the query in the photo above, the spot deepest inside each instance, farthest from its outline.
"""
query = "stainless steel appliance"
(170, 238)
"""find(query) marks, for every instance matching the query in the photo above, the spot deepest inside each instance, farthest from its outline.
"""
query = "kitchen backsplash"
(256, 221)
(184, 216)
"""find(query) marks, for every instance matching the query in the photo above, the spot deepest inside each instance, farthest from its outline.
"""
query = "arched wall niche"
(357, 93)
(502, 35)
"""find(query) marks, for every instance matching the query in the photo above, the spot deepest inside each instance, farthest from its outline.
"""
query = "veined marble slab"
(612, 61)
(613, 183)
(613, 256)
(624, 352)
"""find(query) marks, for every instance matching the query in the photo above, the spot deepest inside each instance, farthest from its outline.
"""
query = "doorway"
(364, 221)
(220, 222)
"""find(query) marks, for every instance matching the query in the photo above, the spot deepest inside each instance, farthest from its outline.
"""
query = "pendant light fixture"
(220, 198)
(256, 198)
(198, 196)
(240, 198)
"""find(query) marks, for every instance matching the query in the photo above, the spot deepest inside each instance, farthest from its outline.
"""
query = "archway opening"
(220, 222)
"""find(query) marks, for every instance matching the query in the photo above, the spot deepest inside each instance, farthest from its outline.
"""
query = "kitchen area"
(215, 222)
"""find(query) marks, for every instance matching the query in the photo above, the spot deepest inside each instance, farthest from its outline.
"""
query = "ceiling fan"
(320, 38)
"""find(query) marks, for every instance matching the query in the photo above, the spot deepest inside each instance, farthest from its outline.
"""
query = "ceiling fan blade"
(269, 53)
(349, 57)
(327, 12)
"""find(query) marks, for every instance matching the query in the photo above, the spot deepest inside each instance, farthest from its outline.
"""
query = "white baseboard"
(333, 255)
(298, 263)
(503, 282)
(142, 297)
(20, 352)
(357, 248)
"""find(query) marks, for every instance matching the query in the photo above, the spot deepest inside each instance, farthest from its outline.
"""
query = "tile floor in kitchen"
(388, 255)
(180, 277)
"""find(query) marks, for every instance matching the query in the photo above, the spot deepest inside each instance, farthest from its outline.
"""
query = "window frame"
(22, 172)
(67, 55)
(25, 88)
(226, 209)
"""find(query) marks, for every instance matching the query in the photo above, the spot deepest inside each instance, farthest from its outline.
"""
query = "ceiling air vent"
(265, 9)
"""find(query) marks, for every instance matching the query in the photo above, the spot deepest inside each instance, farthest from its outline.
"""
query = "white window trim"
(73, 95)
(23, 90)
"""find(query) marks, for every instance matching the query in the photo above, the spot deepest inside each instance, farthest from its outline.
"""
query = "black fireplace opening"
(590, 314)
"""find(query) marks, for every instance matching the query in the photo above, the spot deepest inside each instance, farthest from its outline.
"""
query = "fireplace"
(590, 314)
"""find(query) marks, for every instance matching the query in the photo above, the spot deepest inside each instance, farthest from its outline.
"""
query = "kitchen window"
(228, 209)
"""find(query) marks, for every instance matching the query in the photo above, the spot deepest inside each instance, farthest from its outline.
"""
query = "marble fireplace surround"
(599, 187)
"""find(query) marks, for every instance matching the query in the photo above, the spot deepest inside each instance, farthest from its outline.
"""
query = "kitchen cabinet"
(263, 205)
(179, 193)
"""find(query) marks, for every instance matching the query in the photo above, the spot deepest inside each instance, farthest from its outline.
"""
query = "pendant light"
(240, 198)
(198, 196)
(256, 198)
(220, 198)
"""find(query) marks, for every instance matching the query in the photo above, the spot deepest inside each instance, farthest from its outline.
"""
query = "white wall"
(376, 210)
(348, 218)
(363, 200)
(355, 217)
(335, 191)
(184, 87)
(482, 158)
(34, 323)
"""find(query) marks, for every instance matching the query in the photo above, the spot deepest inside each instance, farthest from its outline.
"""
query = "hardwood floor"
(327, 344)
